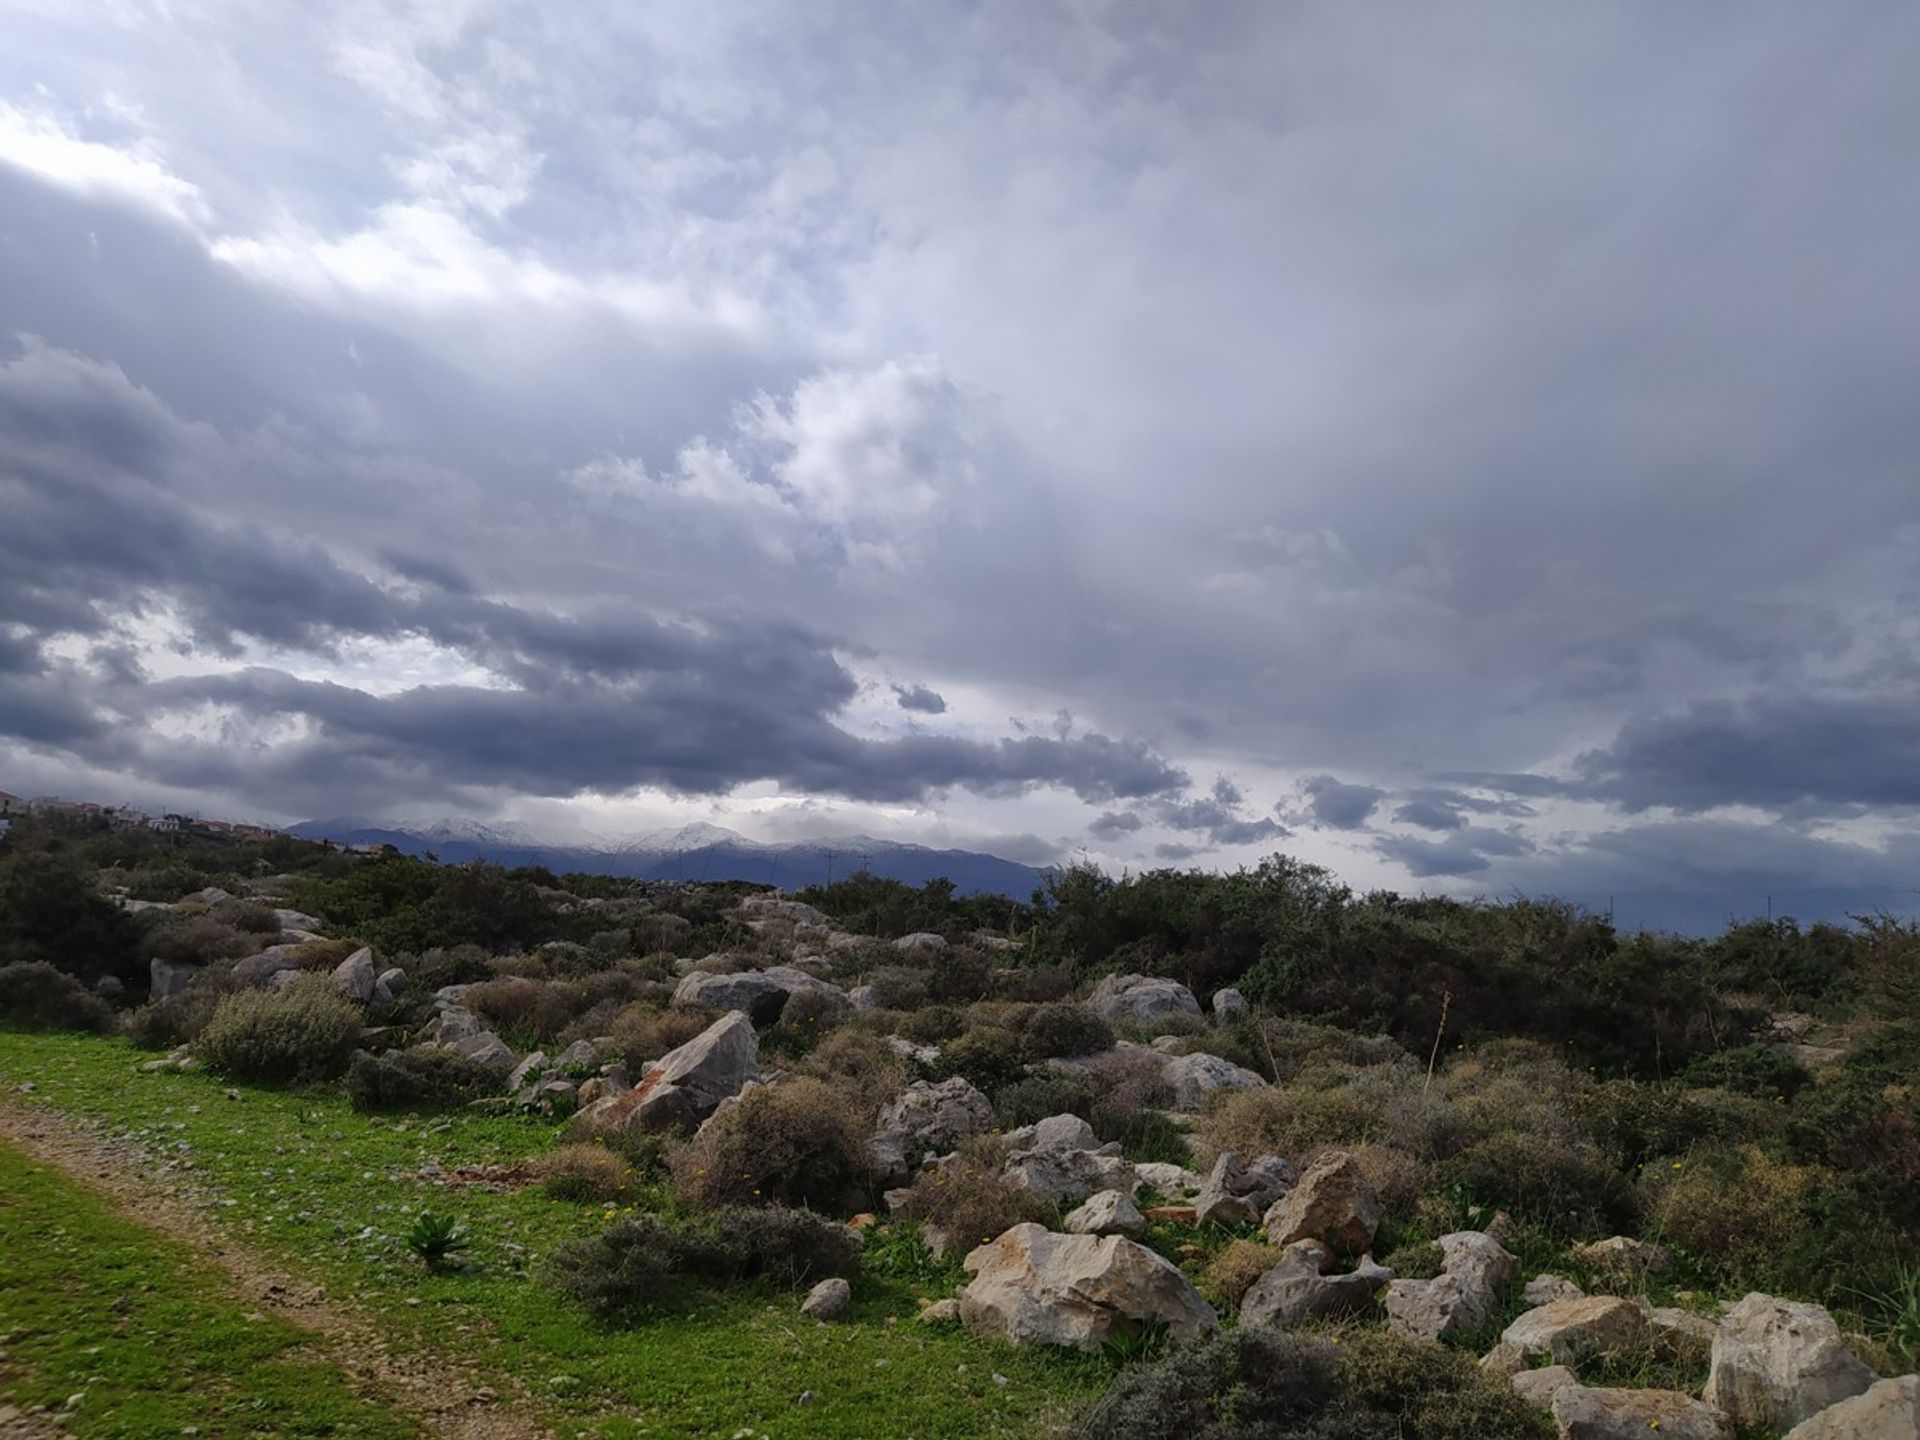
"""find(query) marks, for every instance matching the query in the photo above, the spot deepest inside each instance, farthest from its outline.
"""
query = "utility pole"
(832, 855)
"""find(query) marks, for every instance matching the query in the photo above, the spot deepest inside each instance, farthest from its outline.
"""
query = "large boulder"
(1778, 1362)
(1056, 1132)
(1464, 1297)
(752, 992)
(1567, 1330)
(1301, 1286)
(1582, 1412)
(256, 970)
(1333, 1202)
(489, 1052)
(922, 944)
(356, 977)
(1033, 1287)
(687, 1084)
(1144, 1001)
(1195, 1079)
(927, 1119)
(1107, 1212)
(1889, 1410)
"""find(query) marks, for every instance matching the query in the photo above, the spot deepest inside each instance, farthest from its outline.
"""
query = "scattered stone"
(1167, 1178)
(1889, 1410)
(1229, 1007)
(1463, 1298)
(828, 1300)
(1066, 1177)
(1333, 1202)
(941, 1312)
(1778, 1362)
(686, 1084)
(1237, 1194)
(1584, 1412)
(1300, 1287)
(489, 1052)
(1198, 1078)
(1032, 1286)
(1503, 1360)
(257, 969)
(921, 943)
(1107, 1212)
(1143, 1001)
(1545, 1289)
(1622, 1258)
(355, 976)
(927, 1119)
(526, 1071)
(1538, 1387)
(1570, 1329)
(1056, 1132)
(393, 980)
(753, 992)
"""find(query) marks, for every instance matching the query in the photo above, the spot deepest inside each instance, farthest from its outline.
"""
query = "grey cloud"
(1469, 850)
(1444, 809)
(921, 698)
(1111, 824)
(1339, 804)
(1429, 815)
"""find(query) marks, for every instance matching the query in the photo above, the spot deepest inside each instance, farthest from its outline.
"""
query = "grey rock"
(1066, 1177)
(1032, 1286)
(489, 1052)
(1463, 1298)
(922, 943)
(687, 1084)
(1143, 1000)
(1229, 1007)
(1779, 1362)
(356, 977)
(1582, 1412)
(1332, 1202)
(927, 1119)
(1567, 1330)
(1106, 1212)
(1545, 1289)
(255, 969)
(526, 1072)
(1056, 1132)
(829, 1300)
(1196, 1079)
(167, 979)
(1302, 1286)
(1538, 1387)
(1889, 1410)
(395, 979)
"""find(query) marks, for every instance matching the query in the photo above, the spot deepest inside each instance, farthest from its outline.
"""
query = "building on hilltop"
(11, 804)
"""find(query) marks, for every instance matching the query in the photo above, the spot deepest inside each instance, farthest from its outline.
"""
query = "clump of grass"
(582, 1172)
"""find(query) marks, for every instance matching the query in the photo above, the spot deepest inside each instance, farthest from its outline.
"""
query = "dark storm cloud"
(921, 698)
(1433, 808)
(1218, 817)
(1772, 751)
(1470, 850)
(1339, 804)
(1112, 824)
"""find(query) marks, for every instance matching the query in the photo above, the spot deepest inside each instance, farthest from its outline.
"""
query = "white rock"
(1570, 1329)
(1588, 1413)
(356, 977)
(1198, 1078)
(1107, 1212)
(927, 1119)
(1300, 1287)
(1229, 1007)
(1143, 1000)
(687, 1084)
(828, 1300)
(1889, 1410)
(1032, 1286)
(1778, 1362)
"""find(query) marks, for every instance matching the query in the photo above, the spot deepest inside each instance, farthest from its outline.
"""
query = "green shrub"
(248, 916)
(1749, 1070)
(38, 997)
(1566, 1189)
(989, 1058)
(964, 1201)
(197, 940)
(1048, 1092)
(792, 1143)
(425, 1075)
(1231, 1273)
(641, 1263)
(1051, 1031)
(1258, 1383)
(302, 1031)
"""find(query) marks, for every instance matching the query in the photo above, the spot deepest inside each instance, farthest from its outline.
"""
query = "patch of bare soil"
(445, 1397)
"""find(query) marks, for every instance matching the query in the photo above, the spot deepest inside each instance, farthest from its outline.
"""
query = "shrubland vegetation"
(1747, 1099)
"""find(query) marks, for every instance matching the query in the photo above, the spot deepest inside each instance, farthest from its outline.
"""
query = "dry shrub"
(1293, 1045)
(1321, 1108)
(796, 1142)
(1232, 1272)
(583, 1172)
(862, 1067)
(1399, 1179)
(302, 1031)
(197, 940)
(1738, 1209)
(932, 1026)
(247, 915)
(1567, 1189)
(964, 1201)
(1044, 985)
(506, 1003)
(645, 1032)
(1051, 1031)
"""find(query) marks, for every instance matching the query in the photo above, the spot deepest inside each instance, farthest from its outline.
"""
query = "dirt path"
(442, 1396)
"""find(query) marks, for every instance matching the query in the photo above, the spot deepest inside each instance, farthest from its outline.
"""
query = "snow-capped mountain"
(698, 851)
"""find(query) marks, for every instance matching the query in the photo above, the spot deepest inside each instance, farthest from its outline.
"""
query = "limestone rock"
(1333, 1202)
(1056, 1132)
(1584, 1412)
(686, 1084)
(1299, 1287)
(1032, 1286)
(1504, 1360)
(1462, 1298)
(1538, 1387)
(1623, 1258)
(753, 992)
(1235, 1193)
(1229, 1007)
(1106, 1212)
(922, 943)
(356, 977)
(941, 1312)
(489, 1052)
(257, 969)
(1569, 1329)
(168, 979)
(526, 1072)
(1545, 1289)
(1143, 1001)
(1066, 1177)
(779, 907)
(1889, 1410)
(828, 1300)
(580, 1055)
(1197, 1078)
(1778, 1362)
(927, 1119)
(1168, 1179)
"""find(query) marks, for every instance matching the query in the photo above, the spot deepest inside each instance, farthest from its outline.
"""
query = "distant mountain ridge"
(692, 852)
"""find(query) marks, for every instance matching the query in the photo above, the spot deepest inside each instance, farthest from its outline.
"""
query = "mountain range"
(693, 852)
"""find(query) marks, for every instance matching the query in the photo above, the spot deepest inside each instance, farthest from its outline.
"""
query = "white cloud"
(132, 172)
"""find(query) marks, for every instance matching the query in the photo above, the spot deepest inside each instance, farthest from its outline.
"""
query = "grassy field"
(312, 1186)
(96, 1308)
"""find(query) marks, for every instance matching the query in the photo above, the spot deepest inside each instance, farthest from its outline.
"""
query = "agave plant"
(436, 1238)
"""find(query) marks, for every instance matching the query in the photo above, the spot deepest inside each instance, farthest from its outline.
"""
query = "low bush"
(793, 1143)
(1051, 1031)
(1231, 1273)
(302, 1031)
(1048, 1092)
(1749, 1070)
(895, 987)
(197, 940)
(425, 1075)
(861, 1067)
(962, 1201)
(640, 1264)
(584, 1172)
(988, 1058)
(38, 997)
(646, 1032)
(248, 916)
(960, 975)
(931, 1026)
(1568, 1190)
(1260, 1382)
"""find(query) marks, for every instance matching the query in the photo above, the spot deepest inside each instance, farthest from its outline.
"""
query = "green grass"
(331, 1194)
(93, 1306)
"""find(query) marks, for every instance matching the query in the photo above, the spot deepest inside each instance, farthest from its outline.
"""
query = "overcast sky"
(1476, 447)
